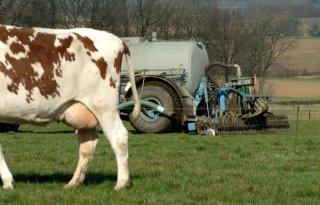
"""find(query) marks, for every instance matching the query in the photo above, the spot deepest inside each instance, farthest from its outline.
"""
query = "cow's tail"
(137, 105)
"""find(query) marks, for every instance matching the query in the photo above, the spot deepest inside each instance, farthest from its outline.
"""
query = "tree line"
(256, 42)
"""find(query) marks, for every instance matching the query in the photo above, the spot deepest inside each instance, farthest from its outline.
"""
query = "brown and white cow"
(73, 76)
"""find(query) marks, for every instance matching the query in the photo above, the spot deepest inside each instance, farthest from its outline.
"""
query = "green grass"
(175, 168)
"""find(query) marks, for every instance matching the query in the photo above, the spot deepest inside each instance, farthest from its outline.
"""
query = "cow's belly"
(15, 109)
(43, 111)
(31, 106)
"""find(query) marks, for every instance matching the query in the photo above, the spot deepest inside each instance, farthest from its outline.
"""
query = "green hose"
(144, 103)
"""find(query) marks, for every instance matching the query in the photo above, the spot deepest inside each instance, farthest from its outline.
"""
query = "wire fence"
(303, 112)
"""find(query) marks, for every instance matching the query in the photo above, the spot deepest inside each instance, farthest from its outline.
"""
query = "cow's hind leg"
(88, 140)
(117, 135)
(5, 173)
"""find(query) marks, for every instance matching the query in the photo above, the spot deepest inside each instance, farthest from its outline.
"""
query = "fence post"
(309, 114)
(298, 110)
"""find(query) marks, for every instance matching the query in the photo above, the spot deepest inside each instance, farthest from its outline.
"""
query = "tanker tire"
(157, 93)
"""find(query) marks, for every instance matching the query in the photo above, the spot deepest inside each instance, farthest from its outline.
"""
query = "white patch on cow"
(3, 51)
(12, 39)
(57, 42)
(5, 81)
(37, 67)
(31, 38)
(8, 65)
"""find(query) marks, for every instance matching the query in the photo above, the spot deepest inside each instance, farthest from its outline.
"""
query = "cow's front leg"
(5, 173)
(88, 140)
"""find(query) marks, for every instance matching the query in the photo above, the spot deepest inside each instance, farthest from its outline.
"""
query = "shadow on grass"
(72, 132)
(91, 178)
(45, 132)
(50, 132)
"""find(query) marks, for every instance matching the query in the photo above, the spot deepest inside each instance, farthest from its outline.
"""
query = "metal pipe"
(144, 103)
(239, 74)
(224, 65)
(206, 97)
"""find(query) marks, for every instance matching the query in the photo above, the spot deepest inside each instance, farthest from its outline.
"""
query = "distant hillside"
(300, 8)
(242, 3)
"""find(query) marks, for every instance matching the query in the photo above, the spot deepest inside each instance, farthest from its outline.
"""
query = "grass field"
(175, 168)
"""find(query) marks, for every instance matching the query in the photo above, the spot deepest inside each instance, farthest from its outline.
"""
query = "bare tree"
(267, 46)
(227, 36)
(73, 12)
(52, 16)
(12, 11)
(189, 17)
(29, 17)
(5, 6)
(96, 12)
(146, 14)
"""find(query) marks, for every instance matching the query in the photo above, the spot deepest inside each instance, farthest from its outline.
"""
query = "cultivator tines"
(274, 122)
(265, 123)
(232, 126)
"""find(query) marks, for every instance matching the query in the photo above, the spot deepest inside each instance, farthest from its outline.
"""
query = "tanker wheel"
(149, 120)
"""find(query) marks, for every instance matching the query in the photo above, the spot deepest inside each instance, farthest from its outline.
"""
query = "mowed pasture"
(174, 168)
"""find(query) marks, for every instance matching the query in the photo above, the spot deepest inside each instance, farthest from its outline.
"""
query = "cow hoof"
(9, 184)
(70, 186)
(122, 185)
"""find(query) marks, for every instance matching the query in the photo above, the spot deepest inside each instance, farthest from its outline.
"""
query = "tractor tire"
(149, 120)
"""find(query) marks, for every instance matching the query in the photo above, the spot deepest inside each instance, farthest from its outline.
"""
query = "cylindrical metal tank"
(168, 57)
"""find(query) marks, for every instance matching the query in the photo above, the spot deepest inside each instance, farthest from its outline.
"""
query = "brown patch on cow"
(42, 51)
(23, 33)
(112, 82)
(102, 65)
(126, 49)
(59, 73)
(17, 48)
(4, 34)
(87, 43)
(118, 60)
(66, 43)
